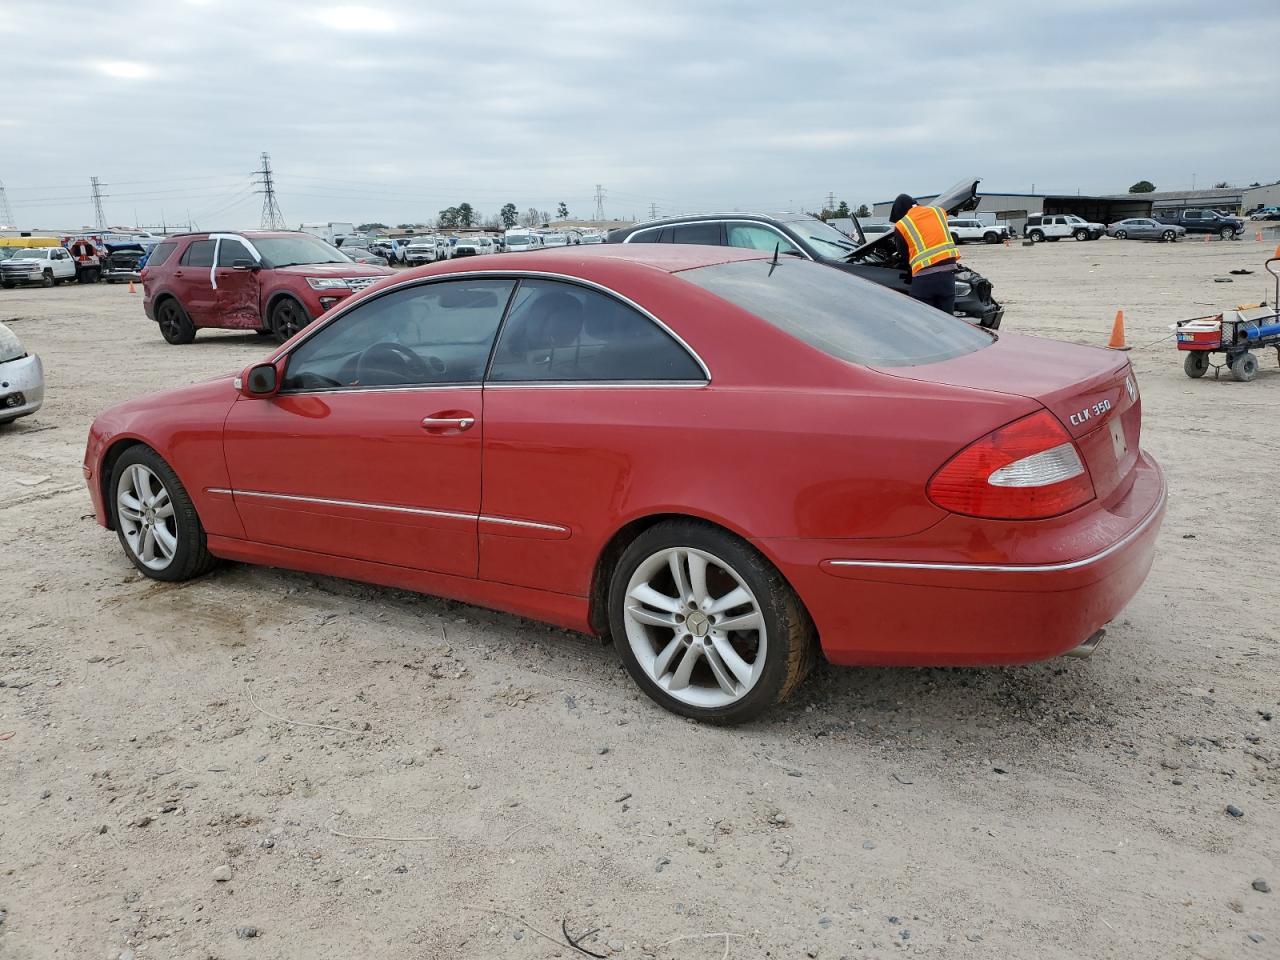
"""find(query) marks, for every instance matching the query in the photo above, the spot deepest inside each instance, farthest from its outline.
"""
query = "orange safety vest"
(929, 240)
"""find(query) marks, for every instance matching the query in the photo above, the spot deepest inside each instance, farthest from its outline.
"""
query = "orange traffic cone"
(131, 290)
(1276, 255)
(1006, 241)
(1117, 333)
(1258, 236)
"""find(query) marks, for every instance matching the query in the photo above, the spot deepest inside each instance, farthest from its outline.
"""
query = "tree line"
(464, 216)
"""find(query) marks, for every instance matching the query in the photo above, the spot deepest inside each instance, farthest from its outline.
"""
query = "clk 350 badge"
(1088, 413)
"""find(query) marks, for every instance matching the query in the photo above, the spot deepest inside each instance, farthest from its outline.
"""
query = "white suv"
(969, 229)
(43, 265)
(1042, 227)
(422, 250)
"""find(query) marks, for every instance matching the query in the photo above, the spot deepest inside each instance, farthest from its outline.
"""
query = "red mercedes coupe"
(725, 460)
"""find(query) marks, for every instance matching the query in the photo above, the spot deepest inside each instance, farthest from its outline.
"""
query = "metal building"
(1014, 208)
(1230, 200)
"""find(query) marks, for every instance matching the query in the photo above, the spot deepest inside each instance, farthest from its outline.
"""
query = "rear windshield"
(161, 253)
(840, 314)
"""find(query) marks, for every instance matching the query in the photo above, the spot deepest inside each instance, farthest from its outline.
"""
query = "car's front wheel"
(990, 237)
(1082, 234)
(175, 326)
(1167, 236)
(155, 518)
(287, 318)
(705, 625)
(1226, 233)
(46, 279)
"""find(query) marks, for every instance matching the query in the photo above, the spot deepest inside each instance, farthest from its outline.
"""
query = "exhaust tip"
(1086, 649)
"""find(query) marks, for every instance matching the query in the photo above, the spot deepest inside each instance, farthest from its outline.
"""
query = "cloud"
(393, 111)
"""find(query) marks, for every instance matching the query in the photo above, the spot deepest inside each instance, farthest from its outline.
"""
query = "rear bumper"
(938, 611)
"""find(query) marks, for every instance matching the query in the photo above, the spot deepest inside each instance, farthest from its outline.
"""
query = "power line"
(599, 202)
(99, 218)
(272, 218)
(653, 210)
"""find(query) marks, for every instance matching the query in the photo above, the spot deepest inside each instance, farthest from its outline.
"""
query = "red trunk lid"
(1091, 390)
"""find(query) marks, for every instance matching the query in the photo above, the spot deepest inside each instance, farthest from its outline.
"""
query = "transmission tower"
(653, 211)
(272, 218)
(599, 202)
(831, 202)
(6, 212)
(99, 218)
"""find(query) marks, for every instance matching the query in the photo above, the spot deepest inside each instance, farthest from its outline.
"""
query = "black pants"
(936, 289)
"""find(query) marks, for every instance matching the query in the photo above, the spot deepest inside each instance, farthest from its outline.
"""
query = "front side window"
(232, 250)
(840, 314)
(429, 334)
(199, 254)
(753, 236)
(564, 332)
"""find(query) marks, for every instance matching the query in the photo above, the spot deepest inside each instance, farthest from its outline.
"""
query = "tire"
(175, 326)
(8, 285)
(1122, 235)
(46, 279)
(175, 540)
(1081, 234)
(1196, 364)
(1167, 237)
(1054, 239)
(771, 659)
(264, 333)
(1244, 367)
(990, 237)
(287, 317)
(1036, 236)
(1226, 233)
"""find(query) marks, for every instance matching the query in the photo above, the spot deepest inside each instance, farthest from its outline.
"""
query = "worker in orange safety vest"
(926, 244)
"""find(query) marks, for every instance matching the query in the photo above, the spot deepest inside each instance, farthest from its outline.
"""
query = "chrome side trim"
(327, 501)
(391, 508)
(557, 528)
(341, 310)
(1016, 568)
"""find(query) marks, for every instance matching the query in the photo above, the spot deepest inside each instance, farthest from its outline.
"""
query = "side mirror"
(244, 265)
(260, 381)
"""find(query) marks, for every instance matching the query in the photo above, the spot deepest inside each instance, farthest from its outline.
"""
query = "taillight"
(1027, 470)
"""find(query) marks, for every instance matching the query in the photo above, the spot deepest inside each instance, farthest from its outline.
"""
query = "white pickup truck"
(43, 265)
(969, 229)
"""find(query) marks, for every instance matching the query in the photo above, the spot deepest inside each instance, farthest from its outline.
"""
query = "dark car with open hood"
(874, 257)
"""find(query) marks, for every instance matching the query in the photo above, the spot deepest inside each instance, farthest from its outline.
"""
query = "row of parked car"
(80, 261)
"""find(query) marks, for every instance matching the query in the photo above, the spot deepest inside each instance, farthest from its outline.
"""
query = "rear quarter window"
(161, 253)
(840, 314)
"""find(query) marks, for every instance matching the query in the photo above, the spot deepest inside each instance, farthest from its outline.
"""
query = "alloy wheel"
(695, 627)
(288, 320)
(170, 321)
(144, 511)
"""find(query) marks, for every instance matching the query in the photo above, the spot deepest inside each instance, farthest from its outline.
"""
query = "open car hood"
(963, 196)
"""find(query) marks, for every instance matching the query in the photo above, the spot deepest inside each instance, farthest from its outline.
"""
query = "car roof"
(666, 257)
(736, 215)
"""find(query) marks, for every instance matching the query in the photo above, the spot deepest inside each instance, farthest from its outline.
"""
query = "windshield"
(10, 345)
(1074, 220)
(842, 315)
(292, 251)
(826, 239)
(521, 238)
(30, 252)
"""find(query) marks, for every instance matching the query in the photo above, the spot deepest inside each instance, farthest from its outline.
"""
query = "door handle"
(454, 423)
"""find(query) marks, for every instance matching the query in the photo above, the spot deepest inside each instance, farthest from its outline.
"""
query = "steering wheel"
(394, 362)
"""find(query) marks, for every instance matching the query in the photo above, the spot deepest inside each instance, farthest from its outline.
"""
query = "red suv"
(271, 283)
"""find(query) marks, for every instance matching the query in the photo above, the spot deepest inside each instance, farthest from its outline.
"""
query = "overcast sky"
(393, 109)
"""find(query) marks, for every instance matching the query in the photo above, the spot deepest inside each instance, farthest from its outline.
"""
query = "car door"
(236, 289)
(580, 382)
(705, 233)
(64, 268)
(372, 448)
(1150, 230)
(194, 279)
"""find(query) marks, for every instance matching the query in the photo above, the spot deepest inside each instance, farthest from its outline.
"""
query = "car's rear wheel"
(1121, 235)
(1036, 236)
(287, 318)
(1196, 364)
(155, 518)
(705, 625)
(175, 326)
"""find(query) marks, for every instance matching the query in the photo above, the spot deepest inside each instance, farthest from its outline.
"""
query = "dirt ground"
(466, 782)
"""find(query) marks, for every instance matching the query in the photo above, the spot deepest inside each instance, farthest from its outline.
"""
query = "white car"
(422, 250)
(469, 247)
(43, 265)
(484, 244)
(519, 241)
(555, 239)
(970, 229)
(21, 378)
(1041, 227)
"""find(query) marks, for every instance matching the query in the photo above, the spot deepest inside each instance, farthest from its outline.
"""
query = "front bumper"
(33, 275)
(112, 274)
(923, 604)
(21, 387)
